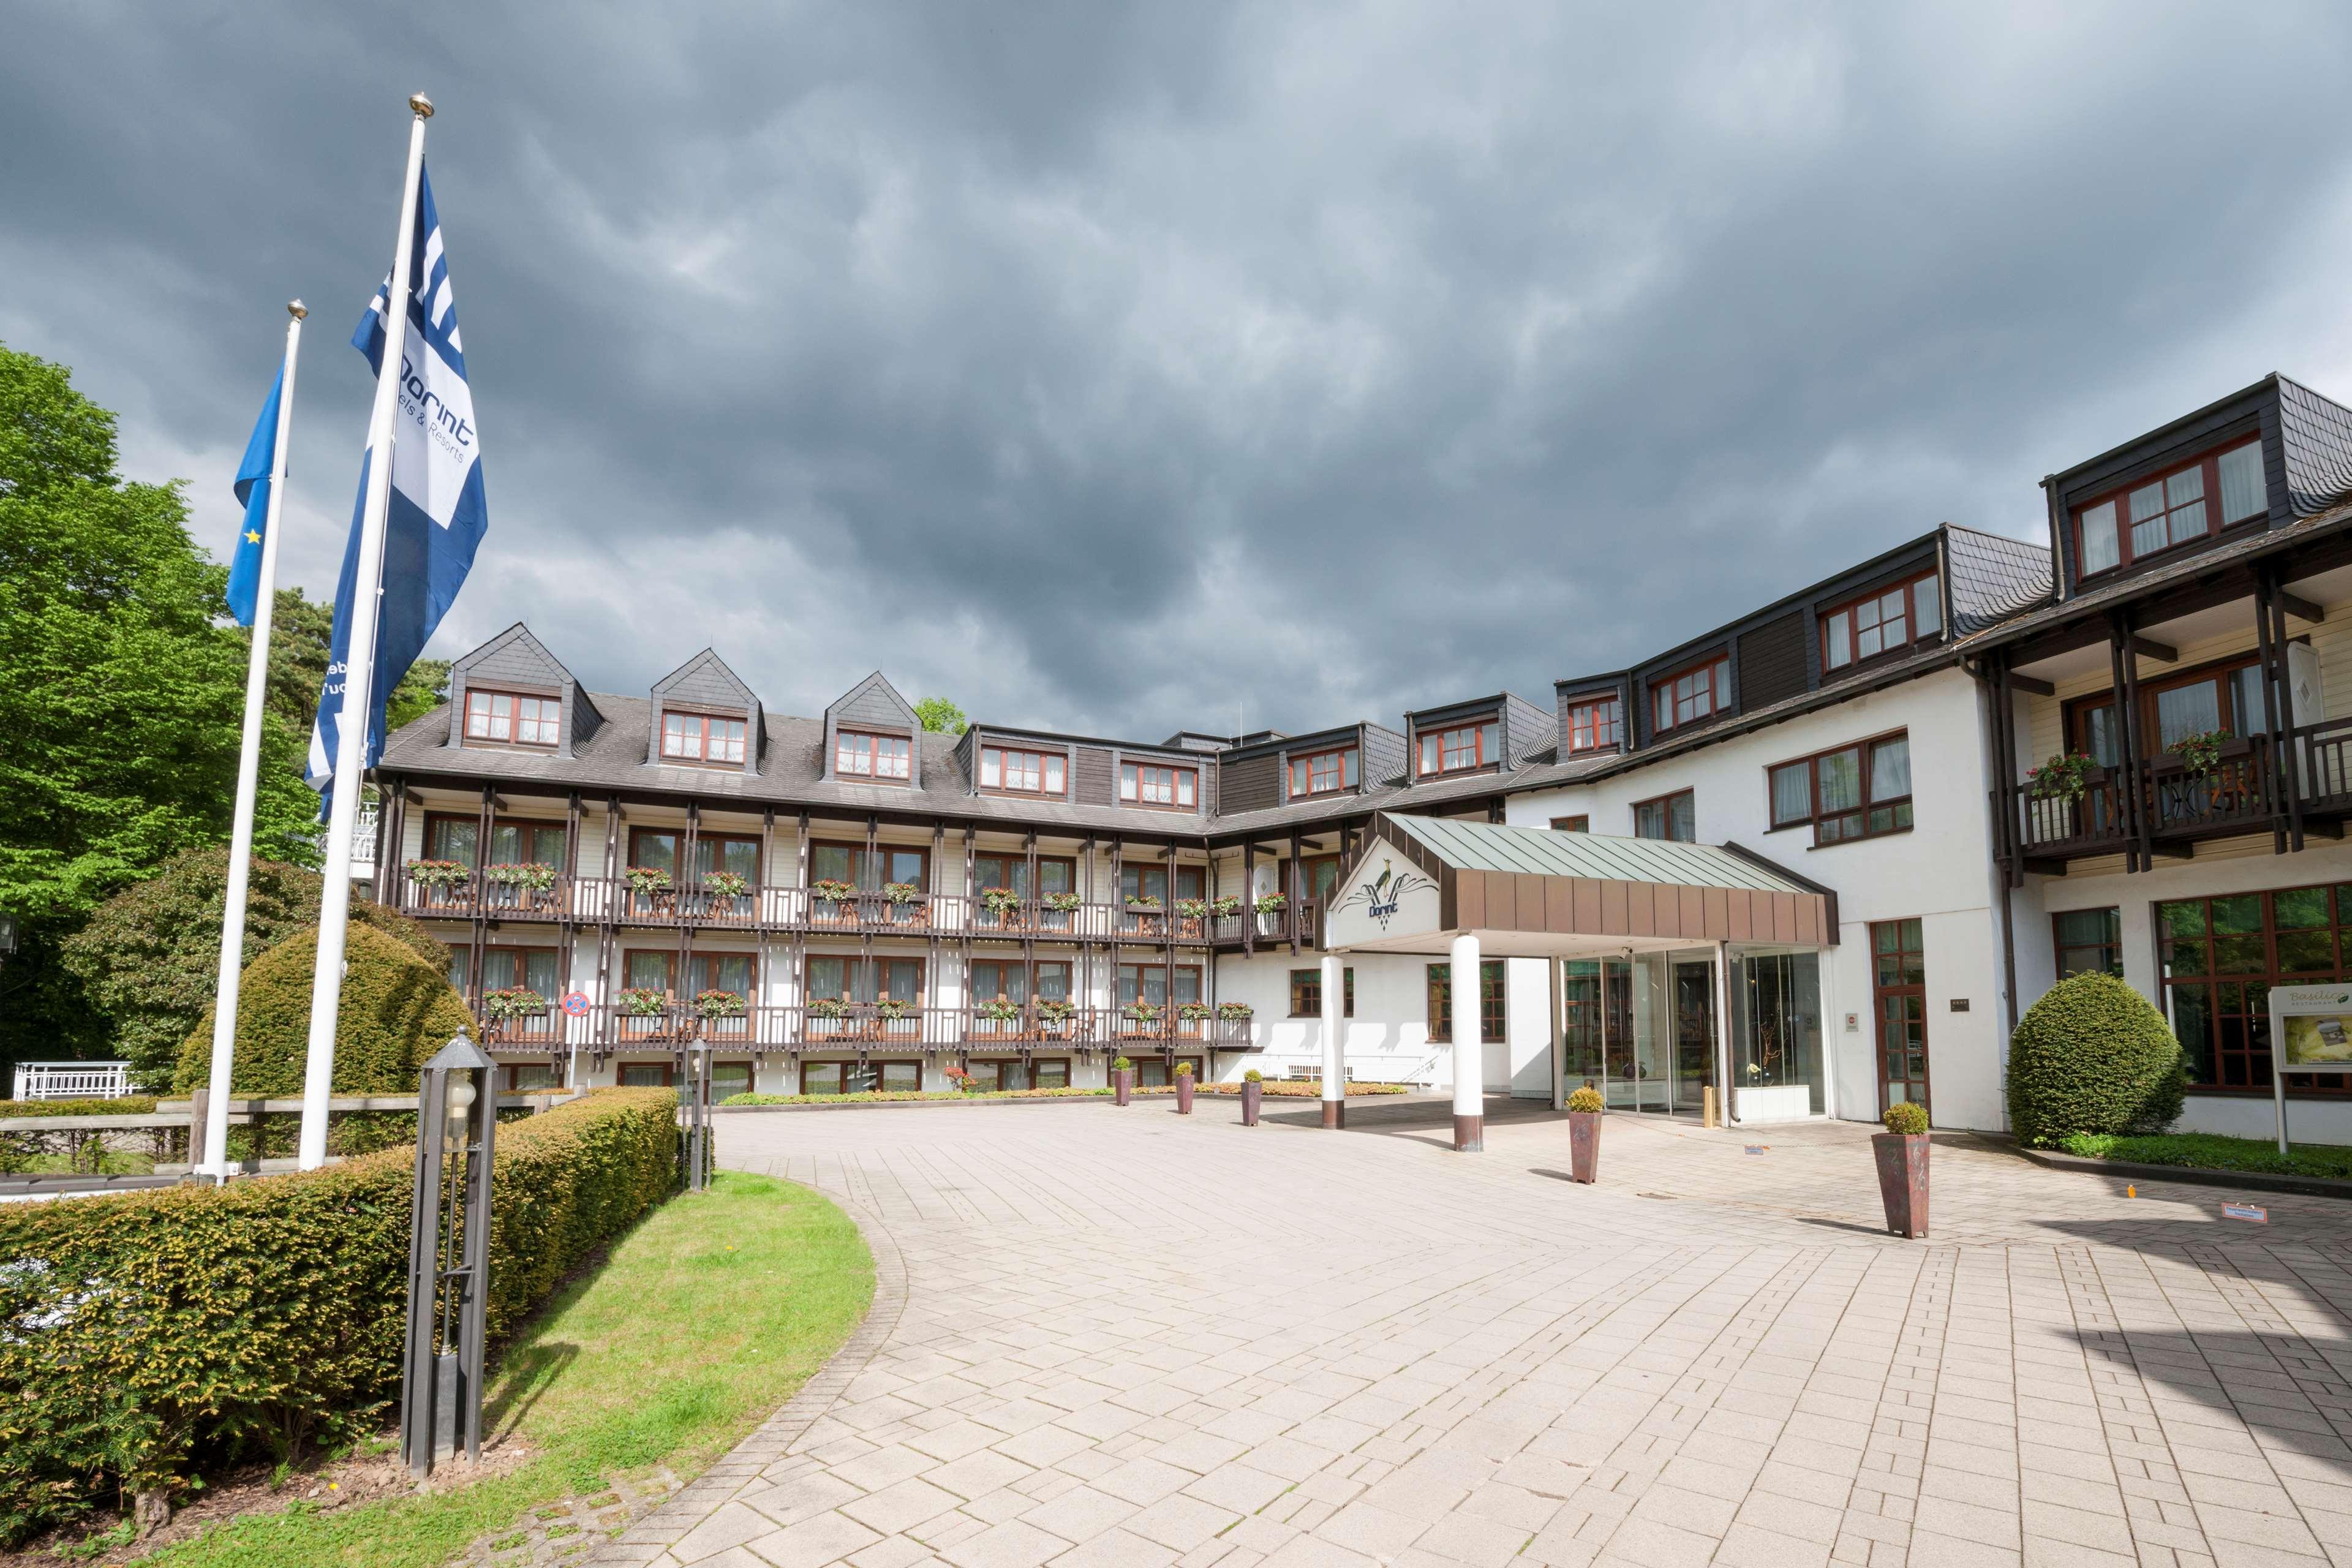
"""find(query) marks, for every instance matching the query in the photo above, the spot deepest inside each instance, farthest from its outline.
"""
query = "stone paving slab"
(1121, 1336)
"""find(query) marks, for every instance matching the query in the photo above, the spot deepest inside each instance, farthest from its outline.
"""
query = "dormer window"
(1593, 725)
(2189, 503)
(1323, 772)
(887, 757)
(1887, 621)
(507, 719)
(1021, 773)
(1692, 695)
(1168, 789)
(701, 738)
(1465, 748)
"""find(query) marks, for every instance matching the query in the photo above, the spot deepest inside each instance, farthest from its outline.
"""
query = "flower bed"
(2212, 1152)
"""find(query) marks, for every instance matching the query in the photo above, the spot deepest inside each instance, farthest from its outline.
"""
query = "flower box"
(439, 876)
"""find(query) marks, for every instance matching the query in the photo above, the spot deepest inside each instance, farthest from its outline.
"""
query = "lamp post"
(697, 1116)
(448, 1257)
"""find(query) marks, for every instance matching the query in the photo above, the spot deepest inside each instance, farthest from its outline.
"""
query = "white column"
(1335, 1041)
(1469, 1056)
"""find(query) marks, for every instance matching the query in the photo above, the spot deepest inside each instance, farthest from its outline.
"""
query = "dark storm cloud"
(1125, 369)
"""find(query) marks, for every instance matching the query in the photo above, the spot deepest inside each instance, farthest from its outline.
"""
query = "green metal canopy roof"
(1489, 847)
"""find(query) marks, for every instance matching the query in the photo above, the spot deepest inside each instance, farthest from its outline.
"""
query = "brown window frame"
(1851, 632)
(1048, 762)
(1032, 967)
(1306, 992)
(1664, 802)
(1344, 762)
(1897, 807)
(843, 740)
(1581, 823)
(1494, 1004)
(995, 1066)
(519, 950)
(2238, 968)
(1180, 781)
(851, 962)
(2208, 463)
(1898, 995)
(531, 825)
(553, 719)
(1190, 880)
(857, 861)
(703, 759)
(1011, 857)
(1715, 670)
(1480, 730)
(638, 834)
(669, 1071)
(2111, 947)
(1198, 974)
(1586, 723)
(2222, 671)
(683, 996)
(842, 1070)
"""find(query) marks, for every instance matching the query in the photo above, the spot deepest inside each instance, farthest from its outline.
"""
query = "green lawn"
(703, 1321)
(2209, 1151)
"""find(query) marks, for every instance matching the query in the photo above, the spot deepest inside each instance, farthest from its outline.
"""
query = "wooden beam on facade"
(2301, 609)
(2148, 648)
(2029, 684)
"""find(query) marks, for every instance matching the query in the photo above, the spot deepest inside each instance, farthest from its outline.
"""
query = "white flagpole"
(214, 1154)
(351, 735)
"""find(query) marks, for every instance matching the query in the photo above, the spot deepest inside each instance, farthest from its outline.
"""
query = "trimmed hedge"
(398, 1010)
(152, 1335)
(128, 1105)
(150, 956)
(2093, 1056)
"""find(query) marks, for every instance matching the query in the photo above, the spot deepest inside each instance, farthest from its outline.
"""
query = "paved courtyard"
(1123, 1337)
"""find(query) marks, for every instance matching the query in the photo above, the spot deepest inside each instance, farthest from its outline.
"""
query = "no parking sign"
(574, 1004)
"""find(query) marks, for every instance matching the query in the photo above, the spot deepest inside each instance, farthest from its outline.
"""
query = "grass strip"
(704, 1320)
(2212, 1152)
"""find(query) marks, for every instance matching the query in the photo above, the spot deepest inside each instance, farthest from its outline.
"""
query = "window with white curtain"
(1858, 791)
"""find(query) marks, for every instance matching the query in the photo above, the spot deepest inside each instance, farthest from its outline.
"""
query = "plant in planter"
(832, 890)
(507, 1004)
(1192, 909)
(709, 1006)
(1584, 1108)
(1226, 904)
(1271, 904)
(1002, 902)
(643, 1001)
(646, 879)
(1253, 1096)
(892, 1009)
(439, 875)
(831, 1008)
(902, 892)
(1901, 1154)
(1234, 1013)
(726, 884)
(2064, 777)
(1195, 1012)
(1056, 1013)
(1143, 1014)
(536, 876)
(1001, 1011)
(1149, 901)
(1183, 1089)
(959, 1079)
(1122, 1081)
(2201, 753)
(1062, 903)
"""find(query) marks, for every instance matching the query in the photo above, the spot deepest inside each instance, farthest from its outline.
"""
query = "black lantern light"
(448, 1257)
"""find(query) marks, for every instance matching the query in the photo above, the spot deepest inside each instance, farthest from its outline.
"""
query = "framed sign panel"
(2311, 1031)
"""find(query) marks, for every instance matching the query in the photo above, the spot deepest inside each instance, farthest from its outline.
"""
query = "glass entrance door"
(1899, 983)
(1694, 1033)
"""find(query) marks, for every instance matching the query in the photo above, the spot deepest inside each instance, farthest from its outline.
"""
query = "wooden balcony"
(870, 1028)
(2243, 792)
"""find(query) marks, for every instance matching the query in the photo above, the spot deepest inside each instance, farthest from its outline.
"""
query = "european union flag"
(253, 494)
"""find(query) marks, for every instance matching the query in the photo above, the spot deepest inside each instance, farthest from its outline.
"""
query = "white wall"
(1935, 873)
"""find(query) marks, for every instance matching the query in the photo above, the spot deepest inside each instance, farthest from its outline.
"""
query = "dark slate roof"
(1994, 577)
(705, 679)
(2317, 434)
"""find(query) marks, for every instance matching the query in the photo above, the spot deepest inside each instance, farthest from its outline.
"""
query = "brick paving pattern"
(1123, 1337)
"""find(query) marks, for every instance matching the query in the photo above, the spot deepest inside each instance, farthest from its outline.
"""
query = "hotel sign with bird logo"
(1384, 897)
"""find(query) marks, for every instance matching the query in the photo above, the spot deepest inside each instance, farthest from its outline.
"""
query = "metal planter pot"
(1584, 1146)
(1122, 1083)
(1903, 1181)
(1253, 1096)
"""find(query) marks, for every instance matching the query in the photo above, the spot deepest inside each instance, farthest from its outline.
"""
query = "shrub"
(1585, 1100)
(1184, 1070)
(1253, 1075)
(1121, 1065)
(154, 1334)
(397, 1011)
(150, 957)
(1906, 1118)
(2093, 1057)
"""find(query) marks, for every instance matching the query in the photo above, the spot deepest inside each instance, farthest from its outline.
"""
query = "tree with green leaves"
(300, 637)
(941, 716)
(121, 688)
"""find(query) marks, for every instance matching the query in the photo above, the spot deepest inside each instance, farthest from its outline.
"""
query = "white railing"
(364, 844)
(72, 1080)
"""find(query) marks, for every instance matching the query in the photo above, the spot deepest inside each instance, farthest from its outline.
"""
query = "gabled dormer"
(1025, 764)
(1487, 736)
(512, 694)
(705, 717)
(872, 736)
(2261, 458)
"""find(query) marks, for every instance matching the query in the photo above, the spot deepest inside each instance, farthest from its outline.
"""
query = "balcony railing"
(880, 1026)
(2239, 794)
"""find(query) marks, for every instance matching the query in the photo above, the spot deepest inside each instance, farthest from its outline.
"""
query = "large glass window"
(1777, 1022)
(841, 978)
(1323, 772)
(887, 757)
(1055, 874)
(2156, 514)
(2088, 941)
(1461, 749)
(2221, 957)
(1021, 773)
(1494, 1002)
(1692, 695)
(517, 720)
(1855, 792)
(1887, 621)
(703, 738)
(1169, 789)
(1149, 982)
(852, 864)
(1673, 817)
(512, 843)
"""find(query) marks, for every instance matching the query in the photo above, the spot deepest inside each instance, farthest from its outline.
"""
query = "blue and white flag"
(253, 494)
(438, 517)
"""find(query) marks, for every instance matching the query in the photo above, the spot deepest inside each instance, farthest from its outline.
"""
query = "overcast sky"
(1121, 369)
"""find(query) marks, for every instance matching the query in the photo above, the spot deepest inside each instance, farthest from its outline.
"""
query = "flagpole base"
(1335, 1114)
(1469, 1134)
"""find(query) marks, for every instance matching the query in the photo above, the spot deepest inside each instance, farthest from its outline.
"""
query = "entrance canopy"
(1531, 892)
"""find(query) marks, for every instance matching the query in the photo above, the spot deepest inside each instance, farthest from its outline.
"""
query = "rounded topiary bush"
(398, 1010)
(2093, 1057)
